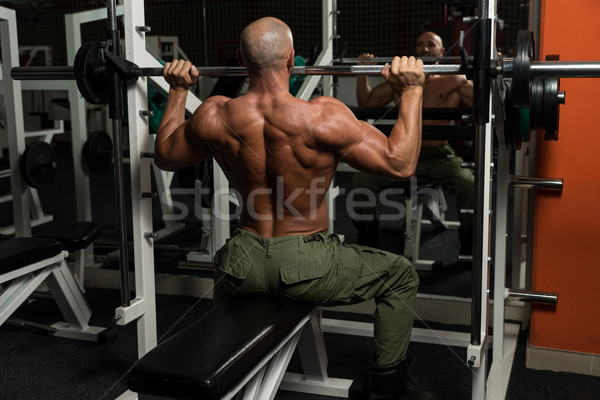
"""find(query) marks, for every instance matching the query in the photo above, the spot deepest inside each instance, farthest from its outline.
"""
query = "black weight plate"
(90, 75)
(98, 152)
(551, 110)
(524, 131)
(521, 79)
(38, 164)
(537, 104)
(511, 122)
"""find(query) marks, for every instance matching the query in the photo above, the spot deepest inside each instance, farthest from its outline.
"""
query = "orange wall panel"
(566, 251)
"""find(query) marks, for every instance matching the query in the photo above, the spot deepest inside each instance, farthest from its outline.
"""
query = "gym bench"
(75, 238)
(241, 347)
(27, 262)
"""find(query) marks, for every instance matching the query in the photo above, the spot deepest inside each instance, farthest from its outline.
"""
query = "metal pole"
(539, 69)
(565, 69)
(481, 89)
(536, 183)
(554, 69)
(531, 297)
(54, 73)
(116, 114)
(42, 73)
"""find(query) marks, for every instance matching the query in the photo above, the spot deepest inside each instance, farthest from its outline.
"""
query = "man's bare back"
(268, 150)
(280, 153)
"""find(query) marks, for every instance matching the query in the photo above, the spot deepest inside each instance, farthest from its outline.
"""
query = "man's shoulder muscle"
(207, 118)
(333, 122)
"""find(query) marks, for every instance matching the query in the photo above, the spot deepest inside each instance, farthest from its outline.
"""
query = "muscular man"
(437, 159)
(280, 154)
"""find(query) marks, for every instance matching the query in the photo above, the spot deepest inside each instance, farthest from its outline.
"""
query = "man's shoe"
(391, 382)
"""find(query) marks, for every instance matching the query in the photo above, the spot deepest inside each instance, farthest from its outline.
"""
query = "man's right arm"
(367, 149)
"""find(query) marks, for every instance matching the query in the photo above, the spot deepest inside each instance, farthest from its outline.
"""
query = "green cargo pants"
(319, 269)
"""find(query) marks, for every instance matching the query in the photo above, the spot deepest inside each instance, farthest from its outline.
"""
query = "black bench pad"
(20, 252)
(75, 236)
(211, 356)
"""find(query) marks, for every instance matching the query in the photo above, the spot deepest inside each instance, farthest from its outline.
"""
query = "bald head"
(429, 44)
(266, 43)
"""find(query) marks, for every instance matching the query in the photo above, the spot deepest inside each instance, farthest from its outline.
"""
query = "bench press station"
(27, 262)
(245, 344)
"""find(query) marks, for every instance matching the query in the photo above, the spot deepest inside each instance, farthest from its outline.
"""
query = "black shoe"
(391, 382)
(415, 393)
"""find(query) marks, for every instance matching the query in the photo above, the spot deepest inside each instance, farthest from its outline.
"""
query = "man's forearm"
(173, 117)
(174, 114)
(405, 137)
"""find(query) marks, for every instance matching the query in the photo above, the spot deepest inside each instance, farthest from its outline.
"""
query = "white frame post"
(15, 126)
(140, 172)
(478, 353)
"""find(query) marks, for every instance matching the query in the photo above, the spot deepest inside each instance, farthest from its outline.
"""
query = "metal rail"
(538, 69)
(536, 183)
(531, 297)
(59, 73)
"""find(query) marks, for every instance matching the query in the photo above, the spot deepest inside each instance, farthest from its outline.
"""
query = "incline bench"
(27, 262)
(75, 238)
(242, 345)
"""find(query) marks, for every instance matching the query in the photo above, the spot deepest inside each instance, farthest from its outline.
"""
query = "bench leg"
(18, 291)
(252, 388)
(72, 305)
(264, 384)
(313, 357)
(80, 258)
(311, 350)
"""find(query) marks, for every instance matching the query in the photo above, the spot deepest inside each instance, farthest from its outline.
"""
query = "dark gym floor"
(38, 366)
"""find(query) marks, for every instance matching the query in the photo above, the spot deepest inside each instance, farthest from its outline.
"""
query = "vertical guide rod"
(116, 114)
(481, 89)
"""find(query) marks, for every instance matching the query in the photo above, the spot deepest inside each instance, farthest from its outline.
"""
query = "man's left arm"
(174, 145)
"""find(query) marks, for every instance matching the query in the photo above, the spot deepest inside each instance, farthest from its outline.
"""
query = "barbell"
(509, 67)
(534, 84)
(91, 61)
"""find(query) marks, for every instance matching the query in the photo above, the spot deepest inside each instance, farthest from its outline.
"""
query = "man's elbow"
(163, 163)
(406, 173)
(160, 164)
(403, 172)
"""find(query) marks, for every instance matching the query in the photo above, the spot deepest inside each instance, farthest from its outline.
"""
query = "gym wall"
(567, 225)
